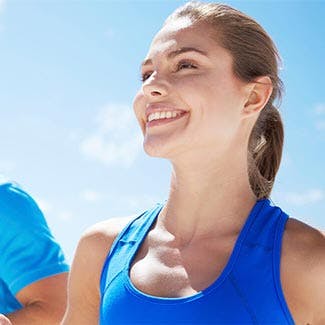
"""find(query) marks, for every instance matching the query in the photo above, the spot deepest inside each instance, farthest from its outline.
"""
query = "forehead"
(178, 33)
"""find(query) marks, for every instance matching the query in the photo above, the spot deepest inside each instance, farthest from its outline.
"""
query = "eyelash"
(193, 66)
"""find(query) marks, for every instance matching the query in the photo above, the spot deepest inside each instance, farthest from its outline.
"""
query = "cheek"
(214, 103)
(209, 96)
(225, 98)
(138, 108)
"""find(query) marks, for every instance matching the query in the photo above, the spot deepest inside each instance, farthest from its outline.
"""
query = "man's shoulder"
(9, 190)
(17, 207)
(12, 195)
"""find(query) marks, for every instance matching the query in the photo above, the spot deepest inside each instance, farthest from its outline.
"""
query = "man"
(33, 270)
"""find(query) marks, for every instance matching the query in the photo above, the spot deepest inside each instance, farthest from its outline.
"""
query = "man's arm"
(44, 302)
(33, 266)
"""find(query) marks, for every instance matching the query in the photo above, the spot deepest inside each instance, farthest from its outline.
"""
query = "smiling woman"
(217, 251)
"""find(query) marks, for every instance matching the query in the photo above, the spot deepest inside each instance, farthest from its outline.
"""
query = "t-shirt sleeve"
(29, 252)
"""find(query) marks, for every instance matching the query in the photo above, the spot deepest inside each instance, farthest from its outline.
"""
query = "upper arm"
(84, 279)
(28, 258)
(303, 272)
(47, 297)
(316, 279)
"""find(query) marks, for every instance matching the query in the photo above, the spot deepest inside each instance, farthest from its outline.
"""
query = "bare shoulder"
(304, 242)
(84, 279)
(99, 238)
(4, 320)
(104, 233)
(302, 271)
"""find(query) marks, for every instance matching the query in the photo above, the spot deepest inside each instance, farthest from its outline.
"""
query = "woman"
(4, 320)
(211, 253)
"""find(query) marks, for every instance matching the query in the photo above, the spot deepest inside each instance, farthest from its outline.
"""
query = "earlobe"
(259, 92)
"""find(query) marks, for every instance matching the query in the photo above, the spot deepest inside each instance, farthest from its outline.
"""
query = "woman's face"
(199, 83)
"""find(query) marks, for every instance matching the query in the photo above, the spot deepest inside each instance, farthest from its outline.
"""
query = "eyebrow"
(173, 54)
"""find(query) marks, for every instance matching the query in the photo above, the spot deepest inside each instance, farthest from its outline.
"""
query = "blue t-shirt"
(247, 291)
(28, 251)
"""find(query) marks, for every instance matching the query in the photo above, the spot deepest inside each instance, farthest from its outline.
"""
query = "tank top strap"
(125, 244)
(262, 231)
(283, 218)
(259, 242)
(256, 274)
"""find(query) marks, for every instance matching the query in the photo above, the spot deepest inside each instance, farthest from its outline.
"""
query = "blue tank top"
(248, 290)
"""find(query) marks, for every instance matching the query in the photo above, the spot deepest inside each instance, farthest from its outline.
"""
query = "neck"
(207, 198)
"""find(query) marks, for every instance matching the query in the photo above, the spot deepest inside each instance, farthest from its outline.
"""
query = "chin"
(154, 149)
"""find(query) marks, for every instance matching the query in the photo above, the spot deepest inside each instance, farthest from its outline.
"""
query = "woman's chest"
(169, 272)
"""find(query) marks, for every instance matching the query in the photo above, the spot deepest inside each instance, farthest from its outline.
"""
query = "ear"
(258, 94)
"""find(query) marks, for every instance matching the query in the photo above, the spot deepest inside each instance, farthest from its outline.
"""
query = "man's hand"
(4, 320)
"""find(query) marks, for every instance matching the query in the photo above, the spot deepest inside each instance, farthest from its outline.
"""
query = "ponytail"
(265, 151)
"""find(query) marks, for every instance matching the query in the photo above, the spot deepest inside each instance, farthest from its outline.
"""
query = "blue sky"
(68, 74)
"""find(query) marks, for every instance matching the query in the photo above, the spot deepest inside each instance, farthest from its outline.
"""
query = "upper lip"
(161, 107)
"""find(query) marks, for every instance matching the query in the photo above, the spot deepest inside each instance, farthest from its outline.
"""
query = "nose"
(154, 86)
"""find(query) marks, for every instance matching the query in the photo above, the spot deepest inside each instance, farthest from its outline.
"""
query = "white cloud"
(7, 166)
(138, 202)
(2, 5)
(3, 179)
(65, 215)
(44, 205)
(308, 197)
(91, 195)
(51, 211)
(320, 125)
(117, 138)
(110, 33)
(320, 109)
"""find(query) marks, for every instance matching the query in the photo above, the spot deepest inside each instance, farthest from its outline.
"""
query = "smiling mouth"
(164, 121)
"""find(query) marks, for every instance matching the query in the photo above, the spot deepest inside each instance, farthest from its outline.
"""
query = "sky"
(69, 71)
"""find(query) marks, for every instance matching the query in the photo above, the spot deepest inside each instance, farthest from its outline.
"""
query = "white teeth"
(161, 115)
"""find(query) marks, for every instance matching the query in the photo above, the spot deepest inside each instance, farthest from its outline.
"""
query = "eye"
(185, 64)
(145, 76)
(180, 66)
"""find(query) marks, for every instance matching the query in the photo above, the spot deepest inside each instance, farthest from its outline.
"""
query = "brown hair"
(254, 55)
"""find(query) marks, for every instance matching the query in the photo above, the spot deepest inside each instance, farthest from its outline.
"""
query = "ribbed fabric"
(248, 290)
